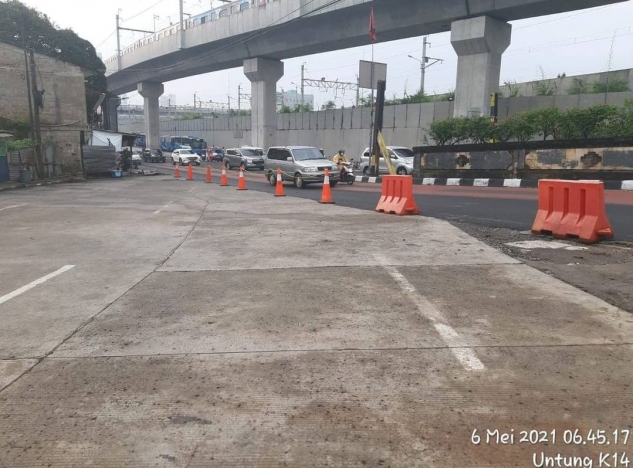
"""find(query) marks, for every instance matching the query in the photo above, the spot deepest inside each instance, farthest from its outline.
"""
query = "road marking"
(12, 206)
(31, 285)
(193, 189)
(538, 244)
(466, 356)
(162, 208)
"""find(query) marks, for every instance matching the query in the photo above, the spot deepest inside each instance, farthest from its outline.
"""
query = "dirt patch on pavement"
(604, 269)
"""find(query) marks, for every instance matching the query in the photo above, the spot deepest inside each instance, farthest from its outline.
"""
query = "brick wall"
(64, 113)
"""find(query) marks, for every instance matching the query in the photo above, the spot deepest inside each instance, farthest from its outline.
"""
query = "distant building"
(62, 110)
(293, 98)
(168, 100)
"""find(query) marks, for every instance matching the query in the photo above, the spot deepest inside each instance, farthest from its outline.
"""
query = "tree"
(328, 105)
(514, 88)
(23, 26)
(578, 87)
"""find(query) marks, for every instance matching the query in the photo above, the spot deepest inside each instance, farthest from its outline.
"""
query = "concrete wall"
(349, 129)
(561, 86)
(64, 113)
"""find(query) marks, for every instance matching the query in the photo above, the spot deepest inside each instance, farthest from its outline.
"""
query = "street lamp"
(421, 72)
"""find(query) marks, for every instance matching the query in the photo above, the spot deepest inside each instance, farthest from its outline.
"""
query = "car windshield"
(186, 152)
(250, 152)
(403, 152)
(197, 144)
(305, 154)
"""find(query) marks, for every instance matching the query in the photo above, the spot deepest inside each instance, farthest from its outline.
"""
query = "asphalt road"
(508, 208)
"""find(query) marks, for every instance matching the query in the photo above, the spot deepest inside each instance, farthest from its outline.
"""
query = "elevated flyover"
(269, 31)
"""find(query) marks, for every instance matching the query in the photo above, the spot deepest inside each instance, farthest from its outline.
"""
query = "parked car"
(153, 155)
(243, 157)
(184, 157)
(401, 157)
(300, 164)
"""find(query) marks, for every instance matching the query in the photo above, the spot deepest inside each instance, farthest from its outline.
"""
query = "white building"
(293, 98)
(167, 100)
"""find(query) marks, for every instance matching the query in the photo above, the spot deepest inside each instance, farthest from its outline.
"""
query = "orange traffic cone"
(224, 181)
(326, 197)
(190, 172)
(177, 173)
(279, 189)
(208, 173)
(241, 182)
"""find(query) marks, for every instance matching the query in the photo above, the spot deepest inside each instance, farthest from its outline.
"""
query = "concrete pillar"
(479, 43)
(151, 91)
(263, 75)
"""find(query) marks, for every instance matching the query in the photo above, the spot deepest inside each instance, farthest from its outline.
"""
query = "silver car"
(401, 157)
(300, 164)
(248, 158)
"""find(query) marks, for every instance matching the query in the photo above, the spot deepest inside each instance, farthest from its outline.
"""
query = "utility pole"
(423, 66)
(239, 98)
(423, 63)
(194, 101)
(182, 26)
(357, 90)
(36, 118)
(303, 69)
(118, 42)
(28, 89)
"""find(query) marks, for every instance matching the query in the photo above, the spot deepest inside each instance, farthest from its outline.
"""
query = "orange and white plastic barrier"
(397, 196)
(572, 208)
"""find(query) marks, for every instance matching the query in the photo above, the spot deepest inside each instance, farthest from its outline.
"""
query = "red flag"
(372, 26)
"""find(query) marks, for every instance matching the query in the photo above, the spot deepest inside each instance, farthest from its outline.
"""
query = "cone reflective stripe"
(241, 182)
(224, 182)
(279, 189)
(190, 172)
(208, 174)
(326, 196)
(177, 173)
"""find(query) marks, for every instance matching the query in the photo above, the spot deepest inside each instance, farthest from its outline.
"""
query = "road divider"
(397, 196)
(569, 208)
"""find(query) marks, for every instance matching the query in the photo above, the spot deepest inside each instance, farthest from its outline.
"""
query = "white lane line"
(31, 285)
(193, 189)
(162, 208)
(466, 356)
(12, 206)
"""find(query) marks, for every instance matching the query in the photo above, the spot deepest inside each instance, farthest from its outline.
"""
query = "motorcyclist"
(340, 159)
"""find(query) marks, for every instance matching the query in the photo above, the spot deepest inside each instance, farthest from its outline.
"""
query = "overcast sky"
(572, 43)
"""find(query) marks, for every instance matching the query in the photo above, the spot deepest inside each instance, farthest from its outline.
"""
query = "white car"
(401, 157)
(184, 157)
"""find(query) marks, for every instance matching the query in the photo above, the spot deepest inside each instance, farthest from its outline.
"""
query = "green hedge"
(600, 121)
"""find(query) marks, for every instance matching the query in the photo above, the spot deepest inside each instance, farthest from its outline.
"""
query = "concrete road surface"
(155, 322)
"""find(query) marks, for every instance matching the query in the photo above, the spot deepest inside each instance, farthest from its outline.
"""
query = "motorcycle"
(347, 173)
